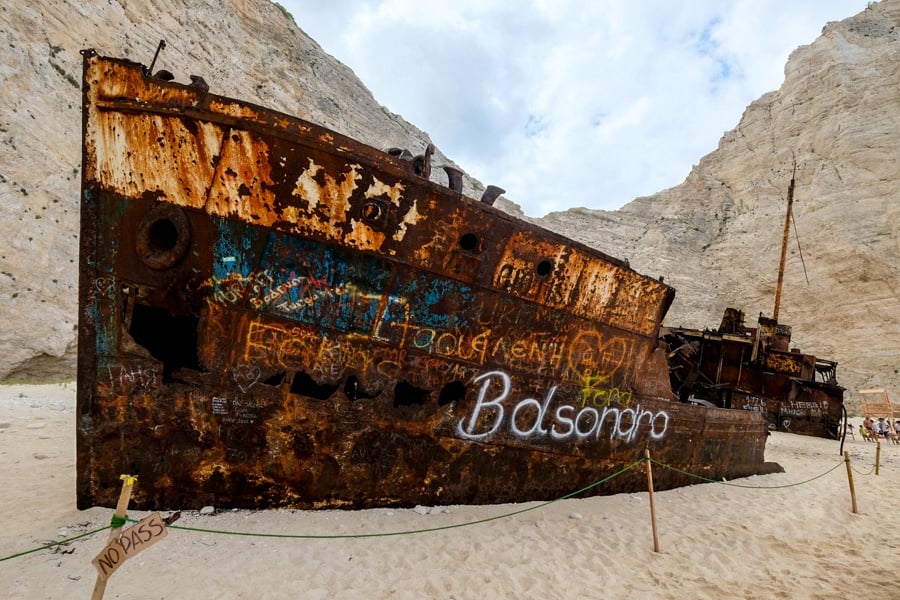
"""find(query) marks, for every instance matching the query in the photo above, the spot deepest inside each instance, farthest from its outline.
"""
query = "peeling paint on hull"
(272, 314)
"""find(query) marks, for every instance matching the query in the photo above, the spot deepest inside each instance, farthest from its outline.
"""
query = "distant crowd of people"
(872, 430)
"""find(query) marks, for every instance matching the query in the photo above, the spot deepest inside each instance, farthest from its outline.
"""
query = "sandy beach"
(790, 535)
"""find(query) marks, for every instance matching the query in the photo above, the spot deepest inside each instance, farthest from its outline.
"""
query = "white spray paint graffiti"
(567, 421)
(754, 404)
(245, 376)
(125, 377)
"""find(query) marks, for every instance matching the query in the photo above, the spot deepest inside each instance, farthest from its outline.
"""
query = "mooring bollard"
(850, 479)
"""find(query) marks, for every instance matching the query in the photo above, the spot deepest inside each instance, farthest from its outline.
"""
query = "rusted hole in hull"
(406, 394)
(275, 380)
(169, 339)
(469, 242)
(352, 391)
(544, 268)
(304, 385)
(452, 392)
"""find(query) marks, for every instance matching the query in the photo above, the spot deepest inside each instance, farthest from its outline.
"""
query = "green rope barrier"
(872, 470)
(60, 543)
(754, 487)
(121, 521)
(414, 531)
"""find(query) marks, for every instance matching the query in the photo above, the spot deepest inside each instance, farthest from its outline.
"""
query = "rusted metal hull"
(755, 369)
(272, 314)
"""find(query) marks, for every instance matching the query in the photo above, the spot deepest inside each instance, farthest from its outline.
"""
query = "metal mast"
(784, 242)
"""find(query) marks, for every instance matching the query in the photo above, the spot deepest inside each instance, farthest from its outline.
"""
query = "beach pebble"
(40, 425)
(62, 532)
(576, 516)
(41, 455)
(207, 510)
(421, 510)
(5, 424)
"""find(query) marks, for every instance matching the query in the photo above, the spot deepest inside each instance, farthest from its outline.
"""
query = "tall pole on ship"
(784, 242)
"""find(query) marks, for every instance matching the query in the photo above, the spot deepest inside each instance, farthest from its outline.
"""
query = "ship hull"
(272, 314)
(754, 369)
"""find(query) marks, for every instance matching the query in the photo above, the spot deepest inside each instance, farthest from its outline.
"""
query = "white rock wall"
(716, 237)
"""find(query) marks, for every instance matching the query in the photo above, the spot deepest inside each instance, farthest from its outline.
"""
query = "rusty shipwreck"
(756, 368)
(273, 314)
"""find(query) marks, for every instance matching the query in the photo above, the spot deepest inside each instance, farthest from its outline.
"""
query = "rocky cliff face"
(249, 49)
(716, 237)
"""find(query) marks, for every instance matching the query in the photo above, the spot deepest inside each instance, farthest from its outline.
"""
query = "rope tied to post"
(117, 521)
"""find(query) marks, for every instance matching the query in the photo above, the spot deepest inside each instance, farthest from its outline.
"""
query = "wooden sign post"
(137, 538)
(122, 545)
(121, 511)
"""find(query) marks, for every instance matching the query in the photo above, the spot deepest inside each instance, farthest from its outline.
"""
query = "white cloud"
(570, 103)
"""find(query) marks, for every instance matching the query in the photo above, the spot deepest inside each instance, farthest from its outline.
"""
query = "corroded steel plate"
(272, 314)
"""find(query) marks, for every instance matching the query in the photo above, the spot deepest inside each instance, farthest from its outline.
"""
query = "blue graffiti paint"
(298, 279)
(441, 303)
(331, 287)
(323, 285)
(106, 338)
(232, 249)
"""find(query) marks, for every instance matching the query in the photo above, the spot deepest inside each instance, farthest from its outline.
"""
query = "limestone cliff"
(716, 237)
(249, 49)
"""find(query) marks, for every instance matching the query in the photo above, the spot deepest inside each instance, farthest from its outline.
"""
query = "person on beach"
(865, 434)
(869, 425)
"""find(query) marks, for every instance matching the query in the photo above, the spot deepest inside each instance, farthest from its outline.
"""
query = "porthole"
(373, 212)
(162, 237)
(469, 242)
(544, 268)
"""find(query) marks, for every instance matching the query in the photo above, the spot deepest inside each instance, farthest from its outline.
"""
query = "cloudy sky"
(568, 103)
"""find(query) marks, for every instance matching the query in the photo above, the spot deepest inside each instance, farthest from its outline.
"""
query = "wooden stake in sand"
(121, 510)
(877, 456)
(850, 479)
(652, 508)
(124, 544)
